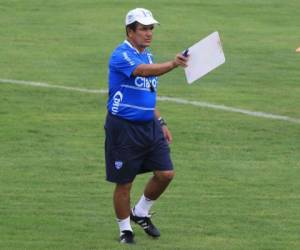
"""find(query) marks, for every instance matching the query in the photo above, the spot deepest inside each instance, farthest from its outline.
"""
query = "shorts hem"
(119, 182)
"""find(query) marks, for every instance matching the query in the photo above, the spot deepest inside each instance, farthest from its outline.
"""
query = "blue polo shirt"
(129, 96)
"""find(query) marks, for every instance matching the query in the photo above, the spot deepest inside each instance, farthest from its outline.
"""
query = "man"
(136, 136)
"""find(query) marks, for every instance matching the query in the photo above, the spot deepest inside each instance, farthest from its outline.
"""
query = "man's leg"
(122, 200)
(122, 210)
(158, 183)
(155, 187)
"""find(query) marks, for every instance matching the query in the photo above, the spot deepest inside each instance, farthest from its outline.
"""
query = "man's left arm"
(164, 127)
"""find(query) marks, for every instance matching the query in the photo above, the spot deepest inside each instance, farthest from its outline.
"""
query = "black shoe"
(146, 224)
(127, 237)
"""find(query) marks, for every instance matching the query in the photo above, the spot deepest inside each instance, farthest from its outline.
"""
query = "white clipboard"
(204, 56)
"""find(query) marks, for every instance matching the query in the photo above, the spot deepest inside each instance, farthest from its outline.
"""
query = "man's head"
(141, 16)
(139, 25)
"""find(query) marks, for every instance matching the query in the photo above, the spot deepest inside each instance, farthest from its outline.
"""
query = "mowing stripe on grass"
(162, 98)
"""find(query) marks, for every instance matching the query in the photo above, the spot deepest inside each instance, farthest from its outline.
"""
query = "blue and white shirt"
(130, 96)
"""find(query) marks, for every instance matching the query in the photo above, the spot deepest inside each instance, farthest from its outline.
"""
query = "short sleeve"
(125, 62)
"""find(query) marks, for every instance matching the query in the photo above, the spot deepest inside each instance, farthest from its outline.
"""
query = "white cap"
(140, 15)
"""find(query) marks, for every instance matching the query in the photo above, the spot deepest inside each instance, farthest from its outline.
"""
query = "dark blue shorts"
(132, 148)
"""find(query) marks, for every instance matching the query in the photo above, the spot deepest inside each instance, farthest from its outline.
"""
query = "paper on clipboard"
(204, 56)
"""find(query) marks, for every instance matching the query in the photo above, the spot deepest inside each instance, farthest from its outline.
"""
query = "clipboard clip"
(185, 53)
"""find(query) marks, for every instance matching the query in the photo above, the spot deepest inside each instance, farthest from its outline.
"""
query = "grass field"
(237, 184)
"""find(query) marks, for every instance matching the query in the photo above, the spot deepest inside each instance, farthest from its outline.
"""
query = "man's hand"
(167, 134)
(181, 60)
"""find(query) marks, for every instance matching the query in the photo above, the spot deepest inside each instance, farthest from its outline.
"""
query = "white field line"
(162, 98)
(229, 109)
(47, 85)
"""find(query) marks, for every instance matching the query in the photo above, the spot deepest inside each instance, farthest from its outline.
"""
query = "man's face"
(142, 36)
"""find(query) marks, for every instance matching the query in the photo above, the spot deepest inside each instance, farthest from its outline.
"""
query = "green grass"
(237, 183)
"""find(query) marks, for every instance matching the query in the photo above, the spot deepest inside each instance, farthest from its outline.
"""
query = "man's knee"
(165, 176)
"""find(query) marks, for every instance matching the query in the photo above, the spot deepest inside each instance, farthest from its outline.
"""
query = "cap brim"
(147, 21)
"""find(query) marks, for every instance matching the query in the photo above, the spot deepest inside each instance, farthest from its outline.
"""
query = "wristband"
(162, 122)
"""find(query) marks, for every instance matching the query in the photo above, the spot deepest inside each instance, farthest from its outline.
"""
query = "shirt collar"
(131, 46)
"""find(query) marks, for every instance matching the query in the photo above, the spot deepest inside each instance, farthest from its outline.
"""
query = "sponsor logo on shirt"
(117, 99)
(144, 82)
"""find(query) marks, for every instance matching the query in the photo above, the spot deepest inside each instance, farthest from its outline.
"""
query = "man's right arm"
(157, 69)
